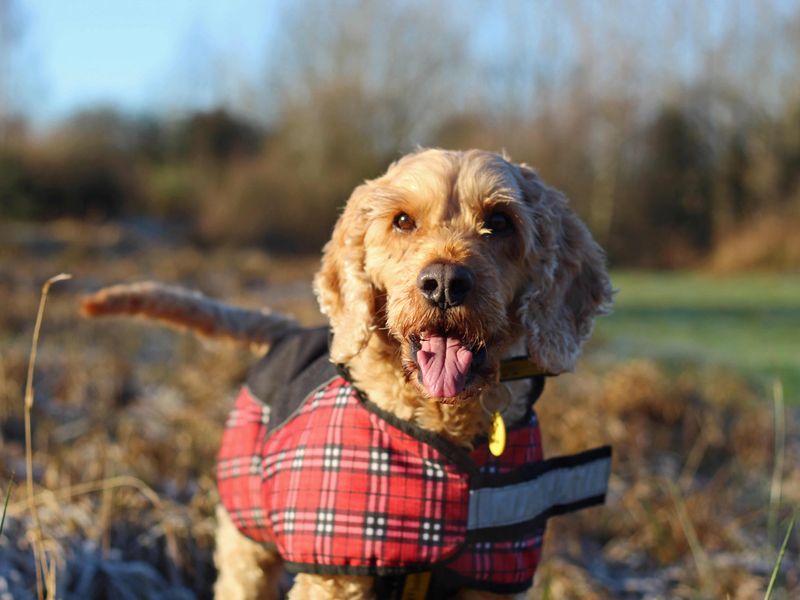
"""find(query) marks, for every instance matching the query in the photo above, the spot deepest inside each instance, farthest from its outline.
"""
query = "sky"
(162, 55)
(127, 52)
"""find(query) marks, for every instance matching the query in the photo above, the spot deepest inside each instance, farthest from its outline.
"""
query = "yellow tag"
(416, 587)
(497, 439)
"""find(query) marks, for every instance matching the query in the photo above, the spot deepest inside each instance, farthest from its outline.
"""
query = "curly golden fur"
(536, 278)
(536, 287)
(547, 279)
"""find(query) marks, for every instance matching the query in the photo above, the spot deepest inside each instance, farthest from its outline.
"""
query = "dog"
(437, 273)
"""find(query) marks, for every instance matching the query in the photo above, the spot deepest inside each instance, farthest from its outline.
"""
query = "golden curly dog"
(436, 271)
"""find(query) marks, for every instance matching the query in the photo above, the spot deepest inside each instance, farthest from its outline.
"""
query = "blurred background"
(212, 144)
(673, 126)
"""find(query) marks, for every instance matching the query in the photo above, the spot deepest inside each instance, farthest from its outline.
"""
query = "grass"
(139, 410)
(746, 321)
(5, 504)
(776, 569)
(45, 569)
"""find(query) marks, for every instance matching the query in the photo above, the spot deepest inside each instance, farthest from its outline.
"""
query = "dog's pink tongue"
(444, 362)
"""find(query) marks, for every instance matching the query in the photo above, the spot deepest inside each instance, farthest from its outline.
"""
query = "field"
(749, 322)
(127, 421)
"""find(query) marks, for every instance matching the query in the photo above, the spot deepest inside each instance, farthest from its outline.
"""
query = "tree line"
(666, 161)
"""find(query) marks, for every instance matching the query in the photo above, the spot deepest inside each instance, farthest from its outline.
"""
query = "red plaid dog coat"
(337, 485)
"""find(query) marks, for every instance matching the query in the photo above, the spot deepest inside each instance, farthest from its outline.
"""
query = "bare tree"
(10, 36)
(386, 72)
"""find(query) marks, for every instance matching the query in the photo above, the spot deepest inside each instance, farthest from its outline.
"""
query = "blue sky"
(145, 55)
(127, 52)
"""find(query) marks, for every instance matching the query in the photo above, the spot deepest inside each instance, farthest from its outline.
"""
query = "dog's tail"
(187, 309)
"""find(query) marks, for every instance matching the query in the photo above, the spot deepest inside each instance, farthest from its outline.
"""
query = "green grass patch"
(749, 322)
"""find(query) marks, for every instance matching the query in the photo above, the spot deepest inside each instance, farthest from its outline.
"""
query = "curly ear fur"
(569, 280)
(342, 288)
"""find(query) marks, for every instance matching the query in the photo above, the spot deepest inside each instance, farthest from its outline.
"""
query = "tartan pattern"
(239, 467)
(337, 485)
(506, 562)
(500, 563)
(523, 446)
(341, 486)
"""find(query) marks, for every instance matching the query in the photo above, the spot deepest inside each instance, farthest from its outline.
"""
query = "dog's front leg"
(332, 587)
(247, 570)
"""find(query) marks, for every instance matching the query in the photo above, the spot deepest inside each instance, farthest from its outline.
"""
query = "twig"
(42, 567)
(104, 526)
(99, 486)
(693, 461)
(776, 485)
(700, 556)
(5, 504)
(776, 569)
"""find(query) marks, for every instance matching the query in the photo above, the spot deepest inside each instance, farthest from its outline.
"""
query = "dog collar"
(520, 367)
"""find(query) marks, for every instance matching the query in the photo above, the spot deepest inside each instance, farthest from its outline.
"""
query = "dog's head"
(449, 259)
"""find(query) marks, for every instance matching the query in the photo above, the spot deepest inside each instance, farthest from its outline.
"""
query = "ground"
(127, 418)
(748, 322)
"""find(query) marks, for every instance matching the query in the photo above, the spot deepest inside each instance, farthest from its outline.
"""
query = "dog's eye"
(498, 223)
(403, 222)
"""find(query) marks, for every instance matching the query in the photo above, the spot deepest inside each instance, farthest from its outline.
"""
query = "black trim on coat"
(456, 454)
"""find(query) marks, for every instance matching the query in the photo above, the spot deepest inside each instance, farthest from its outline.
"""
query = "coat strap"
(504, 506)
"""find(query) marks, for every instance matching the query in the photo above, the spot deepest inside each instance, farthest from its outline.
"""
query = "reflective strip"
(524, 501)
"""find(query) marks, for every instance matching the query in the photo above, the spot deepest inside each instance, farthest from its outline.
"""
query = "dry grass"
(127, 418)
(689, 504)
(45, 563)
(774, 577)
(5, 504)
(767, 241)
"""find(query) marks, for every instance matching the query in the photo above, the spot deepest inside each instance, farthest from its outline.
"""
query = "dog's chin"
(445, 368)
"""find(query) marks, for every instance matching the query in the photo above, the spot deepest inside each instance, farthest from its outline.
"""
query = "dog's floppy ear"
(343, 290)
(569, 283)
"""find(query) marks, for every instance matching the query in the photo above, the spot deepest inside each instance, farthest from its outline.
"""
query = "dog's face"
(449, 259)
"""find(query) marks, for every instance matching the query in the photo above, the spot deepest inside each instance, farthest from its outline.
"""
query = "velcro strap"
(502, 506)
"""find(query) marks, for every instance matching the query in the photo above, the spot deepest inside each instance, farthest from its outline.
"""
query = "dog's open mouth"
(445, 364)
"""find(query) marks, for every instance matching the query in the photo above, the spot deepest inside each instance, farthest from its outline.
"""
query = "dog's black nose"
(445, 285)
